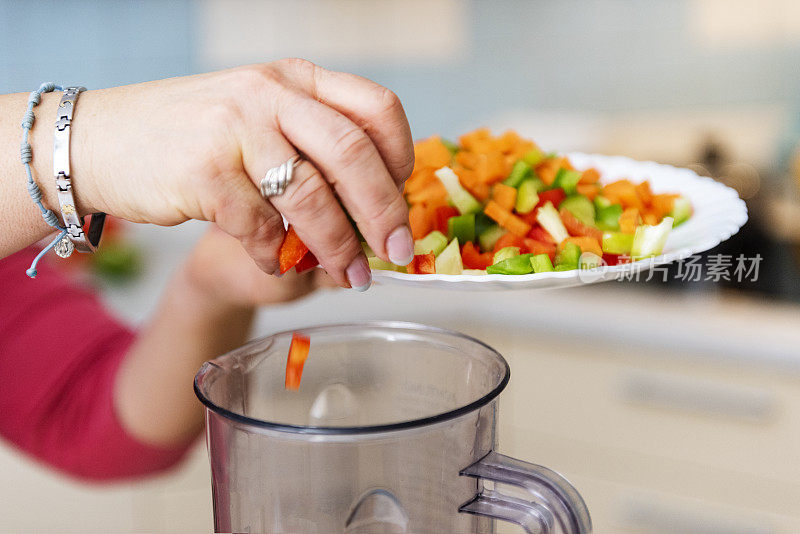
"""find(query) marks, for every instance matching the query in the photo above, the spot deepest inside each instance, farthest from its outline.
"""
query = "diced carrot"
(644, 192)
(469, 179)
(431, 152)
(577, 228)
(662, 204)
(509, 240)
(650, 218)
(298, 352)
(420, 219)
(629, 220)
(623, 192)
(474, 138)
(590, 176)
(587, 244)
(535, 246)
(504, 195)
(548, 169)
(434, 193)
(506, 219)
(588, 190)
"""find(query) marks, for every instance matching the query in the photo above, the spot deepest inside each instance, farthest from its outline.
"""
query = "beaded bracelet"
(61, 243)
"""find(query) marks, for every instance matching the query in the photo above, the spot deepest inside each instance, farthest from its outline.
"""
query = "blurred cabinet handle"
(698, 396)
(657, 518)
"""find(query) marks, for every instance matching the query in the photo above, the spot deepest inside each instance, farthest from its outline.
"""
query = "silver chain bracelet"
(80, 240)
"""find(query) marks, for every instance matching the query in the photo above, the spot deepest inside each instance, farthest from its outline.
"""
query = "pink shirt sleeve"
(59, 355)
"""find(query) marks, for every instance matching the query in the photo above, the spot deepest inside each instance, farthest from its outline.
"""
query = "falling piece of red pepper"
(309, 261)
(292, 250)
(298, 352)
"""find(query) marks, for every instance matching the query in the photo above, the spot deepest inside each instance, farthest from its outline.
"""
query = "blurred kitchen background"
(672, 406)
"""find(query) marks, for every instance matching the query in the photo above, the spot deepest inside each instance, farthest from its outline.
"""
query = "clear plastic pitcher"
(391, 431)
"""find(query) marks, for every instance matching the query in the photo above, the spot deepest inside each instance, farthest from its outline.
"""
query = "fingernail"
(400, 246)
(358, 274)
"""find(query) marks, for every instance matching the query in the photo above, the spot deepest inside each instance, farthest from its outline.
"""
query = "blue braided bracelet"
(26, 155)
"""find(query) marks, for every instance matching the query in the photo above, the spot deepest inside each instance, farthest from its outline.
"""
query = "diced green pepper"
(567, 180)
(462, 228)
(449, 261)
(505, 253)
(528, 195)
(489, 237)
(533, 157)
(460, 197)
(617, 243)
(519, 172)
(434, 242)
(681, 210)
(520, 264)
(568, 257)
(581, 207)
(482, 223)
(451, 146)
(541, 263)
(607, 217)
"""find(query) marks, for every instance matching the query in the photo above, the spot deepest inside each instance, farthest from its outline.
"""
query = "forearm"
(18, 214)
(153, 392)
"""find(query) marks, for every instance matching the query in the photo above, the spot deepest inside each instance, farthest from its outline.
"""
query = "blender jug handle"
(556, 506)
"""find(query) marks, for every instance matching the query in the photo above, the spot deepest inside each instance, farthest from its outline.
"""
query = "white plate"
(718, 214)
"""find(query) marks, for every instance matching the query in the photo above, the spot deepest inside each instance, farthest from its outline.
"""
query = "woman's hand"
(221, 271)
(195, 148)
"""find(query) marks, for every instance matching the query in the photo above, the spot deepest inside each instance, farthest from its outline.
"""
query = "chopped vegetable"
(568, 257)
(567, 180)
(506, 219)
(528, 195)
(533, 157)
(550, 220)
(681, 210)
(590, 260)
(607, 214)
(509, 240)
(617, 243)
(433, 242)
(519, 172)
(540, 234)
(540, 247)
(420, 219)
(629, 220)
(587, 244)
(461, 199)
(461, 228)
(472, 258)
(442, 215)
(580, 207)
(505, 253)
(298, 353)
(554, 196)
(377, 263)
(308, 262)
(422, 264)
(541, 263)
(650, 240)
(449, 261)
(292, 250)
(516, 265)
(505, 196)
(489, 237)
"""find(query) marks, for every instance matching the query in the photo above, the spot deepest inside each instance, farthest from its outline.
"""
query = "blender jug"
(391, 431)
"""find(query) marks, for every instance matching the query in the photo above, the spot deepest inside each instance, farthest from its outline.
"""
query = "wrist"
(199, 292)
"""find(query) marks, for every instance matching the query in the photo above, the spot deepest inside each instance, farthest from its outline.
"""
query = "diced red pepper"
(556, 196)
(298, 352)
(534, 246)
(309, 261)
(292, 250)
(509, 240)
(616, 259)
(540, 234)
(443, 213)
(422, 264)
(472, 258)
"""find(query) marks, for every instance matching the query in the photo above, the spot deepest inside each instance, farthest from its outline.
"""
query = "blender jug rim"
(349, 430)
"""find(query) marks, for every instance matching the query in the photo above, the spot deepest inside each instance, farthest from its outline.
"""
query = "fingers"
(351, 163)
(242, 213)
(309, 204)
(374, 108)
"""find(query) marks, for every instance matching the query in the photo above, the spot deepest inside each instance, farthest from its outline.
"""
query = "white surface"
(718, 214)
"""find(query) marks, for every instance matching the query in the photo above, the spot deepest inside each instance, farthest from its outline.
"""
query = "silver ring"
(277, 178)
